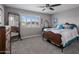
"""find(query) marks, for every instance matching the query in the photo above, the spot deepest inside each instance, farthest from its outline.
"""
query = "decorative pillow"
(60, 26)
(73, 26)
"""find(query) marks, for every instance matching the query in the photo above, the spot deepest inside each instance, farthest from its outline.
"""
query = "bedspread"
(67, 34)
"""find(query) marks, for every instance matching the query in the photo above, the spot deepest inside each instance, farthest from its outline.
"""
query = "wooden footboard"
(54, 38)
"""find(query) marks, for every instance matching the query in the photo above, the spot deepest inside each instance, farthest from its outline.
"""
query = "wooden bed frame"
(53, 38)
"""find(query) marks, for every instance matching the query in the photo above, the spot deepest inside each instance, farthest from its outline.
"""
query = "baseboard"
(31, 36)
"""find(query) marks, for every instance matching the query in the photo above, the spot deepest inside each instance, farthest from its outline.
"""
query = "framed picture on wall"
(55, 20)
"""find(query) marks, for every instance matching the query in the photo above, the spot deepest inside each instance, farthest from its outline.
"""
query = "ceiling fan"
(49, 6)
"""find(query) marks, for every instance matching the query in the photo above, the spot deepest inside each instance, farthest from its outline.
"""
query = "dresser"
(5, 39)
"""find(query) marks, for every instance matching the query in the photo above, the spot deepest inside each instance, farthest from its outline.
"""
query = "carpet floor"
(36, 45)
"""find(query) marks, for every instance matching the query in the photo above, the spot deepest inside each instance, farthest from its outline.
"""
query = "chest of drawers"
(4, 39)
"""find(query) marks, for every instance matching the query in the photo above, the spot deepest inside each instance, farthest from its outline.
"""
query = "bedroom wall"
(70, 16)
(25, 32)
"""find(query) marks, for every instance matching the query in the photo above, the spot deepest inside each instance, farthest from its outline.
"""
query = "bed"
(61, 37)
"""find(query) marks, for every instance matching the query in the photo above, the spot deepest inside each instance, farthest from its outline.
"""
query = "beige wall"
(30, 31)
(70, 16)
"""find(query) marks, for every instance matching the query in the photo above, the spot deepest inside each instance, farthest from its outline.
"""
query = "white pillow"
(66, 26)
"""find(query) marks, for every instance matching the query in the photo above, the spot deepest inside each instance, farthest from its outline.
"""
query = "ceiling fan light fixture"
(49, 6)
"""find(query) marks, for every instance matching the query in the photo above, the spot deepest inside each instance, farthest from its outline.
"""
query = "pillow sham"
(70, 26)
(73, 26)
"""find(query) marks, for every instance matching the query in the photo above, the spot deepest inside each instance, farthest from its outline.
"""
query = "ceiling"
(35, 7)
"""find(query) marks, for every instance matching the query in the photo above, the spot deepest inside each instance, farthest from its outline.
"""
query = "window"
(30, 21)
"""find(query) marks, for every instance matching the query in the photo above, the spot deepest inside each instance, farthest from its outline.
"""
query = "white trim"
(31, 36)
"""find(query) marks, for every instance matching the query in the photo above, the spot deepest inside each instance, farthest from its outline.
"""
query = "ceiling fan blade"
(51, 8)
(43, 9)
(55, 5)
